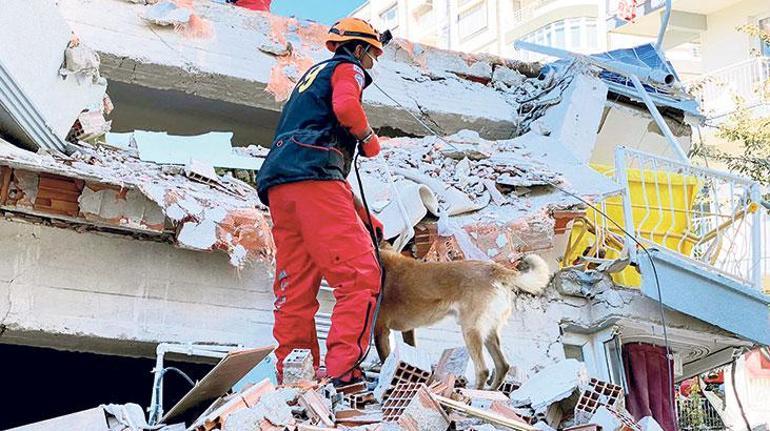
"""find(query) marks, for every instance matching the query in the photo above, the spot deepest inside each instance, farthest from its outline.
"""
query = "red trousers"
(318, 234)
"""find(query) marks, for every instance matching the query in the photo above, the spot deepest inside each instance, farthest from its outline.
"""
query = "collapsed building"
(149, 234)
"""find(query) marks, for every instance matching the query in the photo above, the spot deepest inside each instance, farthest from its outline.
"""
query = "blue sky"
(325, 11)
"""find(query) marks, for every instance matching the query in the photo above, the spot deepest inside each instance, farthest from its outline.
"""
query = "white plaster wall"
(722, 44)
(753, 394)
(111, 294)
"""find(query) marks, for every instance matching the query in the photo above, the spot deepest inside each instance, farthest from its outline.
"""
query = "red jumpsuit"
(319, 233)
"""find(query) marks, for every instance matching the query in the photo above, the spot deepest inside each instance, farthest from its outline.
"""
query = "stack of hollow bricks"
(598, 393)
(298, 367)
(399, 398)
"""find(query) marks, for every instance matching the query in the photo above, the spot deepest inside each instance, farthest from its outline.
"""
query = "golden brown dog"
(479, 294)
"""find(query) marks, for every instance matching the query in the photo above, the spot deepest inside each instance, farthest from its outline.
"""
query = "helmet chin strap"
(359, 60)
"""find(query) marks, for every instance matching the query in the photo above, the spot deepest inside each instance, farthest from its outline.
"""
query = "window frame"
(392, 8)
(482, 8)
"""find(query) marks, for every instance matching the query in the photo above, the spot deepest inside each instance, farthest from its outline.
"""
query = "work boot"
(351, 378)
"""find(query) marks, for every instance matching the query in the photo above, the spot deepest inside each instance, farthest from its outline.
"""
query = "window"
(559, 39)
(389, 18)
(764, 26)
(614, 362)
(473, 20)
(575, 34)
(593, 42)
(573, 351)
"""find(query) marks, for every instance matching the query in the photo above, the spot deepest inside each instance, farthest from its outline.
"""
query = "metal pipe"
(756, 240)
(664, 25)
(208, 351)
(621, 177)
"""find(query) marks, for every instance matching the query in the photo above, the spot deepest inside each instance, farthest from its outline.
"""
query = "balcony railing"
(747, 81)
(528, 10)
(697, 414)
(712, 218)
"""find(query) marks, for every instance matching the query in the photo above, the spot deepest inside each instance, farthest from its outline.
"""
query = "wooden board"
(231, 369)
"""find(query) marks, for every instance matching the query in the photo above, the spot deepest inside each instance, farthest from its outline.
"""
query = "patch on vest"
(360, 79)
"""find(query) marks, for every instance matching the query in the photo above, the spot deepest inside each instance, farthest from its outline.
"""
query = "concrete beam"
(236, 66)
(686, 21)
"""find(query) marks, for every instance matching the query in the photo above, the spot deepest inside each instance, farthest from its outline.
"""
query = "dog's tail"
(532, 276)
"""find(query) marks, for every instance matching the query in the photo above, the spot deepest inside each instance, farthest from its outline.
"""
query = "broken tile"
(317, 408)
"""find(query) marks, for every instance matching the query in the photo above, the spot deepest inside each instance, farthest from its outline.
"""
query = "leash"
(378, 304)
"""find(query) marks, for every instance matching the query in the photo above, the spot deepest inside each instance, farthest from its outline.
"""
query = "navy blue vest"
(310, 143)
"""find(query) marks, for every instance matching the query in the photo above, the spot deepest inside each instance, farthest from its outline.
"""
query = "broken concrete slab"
(552, 384)
(203, 217)
(88, 420)
(427, 81)
(37, 105)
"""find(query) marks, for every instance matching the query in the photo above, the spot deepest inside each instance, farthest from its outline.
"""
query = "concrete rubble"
(414, 402)
(506, 177)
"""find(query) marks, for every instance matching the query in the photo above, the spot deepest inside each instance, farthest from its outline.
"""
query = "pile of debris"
(407, 393)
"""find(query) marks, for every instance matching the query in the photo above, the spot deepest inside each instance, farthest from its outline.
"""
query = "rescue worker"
(319, 227)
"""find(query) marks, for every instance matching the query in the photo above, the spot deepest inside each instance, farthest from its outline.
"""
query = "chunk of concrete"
(424, 414)
(167, 13)
(610, 419)
(298, 367)
(648, 423)
(552, 384)
(42, 102)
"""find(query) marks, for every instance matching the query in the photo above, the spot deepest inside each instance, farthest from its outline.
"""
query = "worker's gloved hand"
(370, 146)
(376, 223)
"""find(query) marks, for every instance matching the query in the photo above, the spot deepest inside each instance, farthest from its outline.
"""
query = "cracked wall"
(253, 59)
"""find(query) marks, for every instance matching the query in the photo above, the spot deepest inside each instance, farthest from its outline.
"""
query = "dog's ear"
(385, 245)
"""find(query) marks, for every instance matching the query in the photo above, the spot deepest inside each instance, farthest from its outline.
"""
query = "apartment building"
(701, 39)
(491, 26)
(733, 62)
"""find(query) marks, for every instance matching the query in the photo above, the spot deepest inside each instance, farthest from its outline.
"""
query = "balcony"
(747, 82)
(704, 235)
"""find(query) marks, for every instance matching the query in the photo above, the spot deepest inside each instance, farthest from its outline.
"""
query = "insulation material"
(213, 148)
(228, 218)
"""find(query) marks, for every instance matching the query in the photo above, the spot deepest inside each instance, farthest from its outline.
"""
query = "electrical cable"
(181, 373)
(733, 366)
